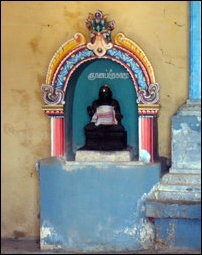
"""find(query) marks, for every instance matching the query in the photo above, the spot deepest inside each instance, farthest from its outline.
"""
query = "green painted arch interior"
(82, 90)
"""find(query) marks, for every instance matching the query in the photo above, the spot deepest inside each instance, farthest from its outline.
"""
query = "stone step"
(186, 179)
(185, 170)
(175, 195)
(181, 188)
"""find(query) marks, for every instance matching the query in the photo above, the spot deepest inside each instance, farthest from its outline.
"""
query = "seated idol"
(105, 131)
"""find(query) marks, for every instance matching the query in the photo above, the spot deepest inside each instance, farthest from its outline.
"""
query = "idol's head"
(105, 93)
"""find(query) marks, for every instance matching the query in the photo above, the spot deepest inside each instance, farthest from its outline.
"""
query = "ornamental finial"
(100, 32)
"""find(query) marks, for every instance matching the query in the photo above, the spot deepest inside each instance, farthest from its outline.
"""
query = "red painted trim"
(147, 135)
(152, 139)
(143, 133)
(58, 137)
(63, 138)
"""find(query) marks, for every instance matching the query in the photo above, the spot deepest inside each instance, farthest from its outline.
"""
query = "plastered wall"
(31, 33)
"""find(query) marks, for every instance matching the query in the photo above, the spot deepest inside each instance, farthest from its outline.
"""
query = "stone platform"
(100, 156)
(95, 206)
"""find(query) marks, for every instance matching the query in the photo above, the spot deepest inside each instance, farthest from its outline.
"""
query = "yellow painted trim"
(122, 40)
(148, 106)
(53, 107)
(78, 40)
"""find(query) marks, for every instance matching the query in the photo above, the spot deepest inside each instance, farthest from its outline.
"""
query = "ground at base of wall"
(31, 246)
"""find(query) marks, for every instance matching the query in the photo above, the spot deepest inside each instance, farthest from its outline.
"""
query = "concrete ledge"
(31, 246)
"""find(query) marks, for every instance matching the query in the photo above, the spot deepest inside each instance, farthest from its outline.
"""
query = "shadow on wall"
(165, 165)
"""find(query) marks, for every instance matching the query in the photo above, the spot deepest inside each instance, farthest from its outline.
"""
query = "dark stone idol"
(105, 131)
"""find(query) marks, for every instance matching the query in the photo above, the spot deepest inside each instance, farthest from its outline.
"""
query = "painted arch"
(75, 52)
(125, 52)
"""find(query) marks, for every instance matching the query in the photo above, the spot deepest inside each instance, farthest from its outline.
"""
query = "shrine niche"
(76, 73)
(103, 101)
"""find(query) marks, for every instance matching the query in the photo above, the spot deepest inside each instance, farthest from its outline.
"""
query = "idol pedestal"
(102, 156)
(106, 140)
(95, 206)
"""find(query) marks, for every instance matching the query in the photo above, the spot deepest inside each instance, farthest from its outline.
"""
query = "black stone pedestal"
(102, 140)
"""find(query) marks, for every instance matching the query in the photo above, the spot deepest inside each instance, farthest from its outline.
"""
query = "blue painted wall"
(95, 205)
(83, 90)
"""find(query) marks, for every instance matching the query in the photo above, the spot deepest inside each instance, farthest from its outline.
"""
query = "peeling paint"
(47, 233)
(145, 156)
(185, 129)
(186, 144)
(167, 242)
(142, 229)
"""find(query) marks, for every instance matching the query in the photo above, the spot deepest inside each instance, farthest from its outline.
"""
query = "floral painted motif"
(129, 61)
(69, 64)
(151, 95)
(51, 95)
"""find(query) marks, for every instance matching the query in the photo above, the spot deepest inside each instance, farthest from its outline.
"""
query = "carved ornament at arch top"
(76, 51)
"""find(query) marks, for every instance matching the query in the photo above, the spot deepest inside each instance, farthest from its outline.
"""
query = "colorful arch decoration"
(75, 52)
(124, 51)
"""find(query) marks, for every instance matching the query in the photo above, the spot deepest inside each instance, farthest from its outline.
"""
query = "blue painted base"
(177, 224)
(178, 233)
(95, 206)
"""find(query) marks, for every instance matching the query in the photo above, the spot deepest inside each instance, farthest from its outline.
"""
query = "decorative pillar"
(56, 114)
(175, 203)
(57, 136)
(148, 132)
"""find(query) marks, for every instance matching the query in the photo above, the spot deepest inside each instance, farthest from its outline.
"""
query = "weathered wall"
(31, 33)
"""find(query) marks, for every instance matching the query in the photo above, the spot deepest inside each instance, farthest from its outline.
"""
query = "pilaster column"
(195, 51)
(175, 203)
(57, 136)
(56, 115)
(148, 132)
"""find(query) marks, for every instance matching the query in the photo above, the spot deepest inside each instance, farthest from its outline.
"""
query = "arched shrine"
(87, 204)
(75, 74)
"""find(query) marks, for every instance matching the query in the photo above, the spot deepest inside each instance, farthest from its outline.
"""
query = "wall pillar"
(57, 136)
(148, 132)
(56, 115)
(195, 51)
(148, 138)
(175, 203)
